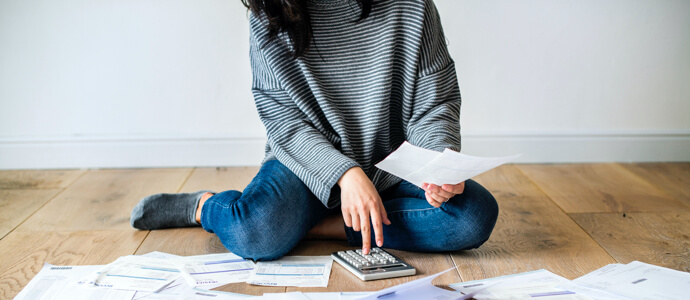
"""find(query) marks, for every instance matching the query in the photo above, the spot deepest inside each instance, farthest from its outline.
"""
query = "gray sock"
(166, 211)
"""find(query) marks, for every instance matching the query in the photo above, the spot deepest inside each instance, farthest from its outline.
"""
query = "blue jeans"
(276, 211)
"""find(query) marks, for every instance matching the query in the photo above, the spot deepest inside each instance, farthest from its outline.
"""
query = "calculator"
(378, 264)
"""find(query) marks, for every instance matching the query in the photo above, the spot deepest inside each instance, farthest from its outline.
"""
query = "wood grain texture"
(17, 205)
(38, 179)
(343, 281)
(661, 239)
(582, 188)
(671, 178)
(22, 254)
(196, 241)
(103, 199)
(531, 233)
(220, 179)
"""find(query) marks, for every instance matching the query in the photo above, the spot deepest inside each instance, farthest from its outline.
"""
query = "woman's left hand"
(437, 195)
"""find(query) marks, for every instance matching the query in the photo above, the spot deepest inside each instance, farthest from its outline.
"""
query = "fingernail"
(365, 250)
(379, 243)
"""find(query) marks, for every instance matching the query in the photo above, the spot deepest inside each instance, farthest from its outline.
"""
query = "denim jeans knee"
(479, 218)
(268, 218)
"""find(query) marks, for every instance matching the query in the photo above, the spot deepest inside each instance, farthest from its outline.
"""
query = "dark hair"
(292, 18)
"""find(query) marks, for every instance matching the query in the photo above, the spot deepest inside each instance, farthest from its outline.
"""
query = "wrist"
(350, 175)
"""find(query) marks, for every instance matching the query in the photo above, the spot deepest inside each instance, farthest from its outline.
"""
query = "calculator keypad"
(375, 258)
(377, 264)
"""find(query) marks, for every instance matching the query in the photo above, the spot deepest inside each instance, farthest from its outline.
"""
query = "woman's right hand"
(359, 203)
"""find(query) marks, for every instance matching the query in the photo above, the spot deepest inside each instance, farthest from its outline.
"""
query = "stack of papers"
(418, 165)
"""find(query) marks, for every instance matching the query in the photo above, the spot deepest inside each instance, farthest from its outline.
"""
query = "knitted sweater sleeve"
(292, 137)
(435, 121)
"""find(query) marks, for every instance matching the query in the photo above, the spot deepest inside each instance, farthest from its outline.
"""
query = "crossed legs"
(277, 210)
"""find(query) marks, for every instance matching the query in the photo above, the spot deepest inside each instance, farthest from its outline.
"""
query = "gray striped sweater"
(358, 93)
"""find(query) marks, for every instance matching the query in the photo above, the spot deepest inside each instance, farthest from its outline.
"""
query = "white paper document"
(180, 289)
(136, 273)
(314, 296)
(418, 289)
(59, 282)
(540, 284)
(188, 292)
(418, 165)
(285, 296)
(323, 296)
(214, 269)
(301, 271)
(352, 295)
(638, 280)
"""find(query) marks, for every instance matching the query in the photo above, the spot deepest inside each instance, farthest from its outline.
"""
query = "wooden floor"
(570, 219)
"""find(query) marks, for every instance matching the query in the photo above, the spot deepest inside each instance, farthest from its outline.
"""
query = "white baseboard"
(151, 152)
(574, 147)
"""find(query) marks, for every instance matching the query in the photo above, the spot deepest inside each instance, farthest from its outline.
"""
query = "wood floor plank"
(220, 179)
(182, 241)
(582, 188)
(343, 281)
(661, 239)
(196, 241)
(531, 233)
(38, 179)
(22, 254)
(17, 205)
(103, 199)
(672, 178)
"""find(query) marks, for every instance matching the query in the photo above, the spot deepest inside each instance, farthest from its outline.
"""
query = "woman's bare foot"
(331, 228)
(204, 197)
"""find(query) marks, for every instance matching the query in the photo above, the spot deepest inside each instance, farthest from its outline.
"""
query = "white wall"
(144, 83)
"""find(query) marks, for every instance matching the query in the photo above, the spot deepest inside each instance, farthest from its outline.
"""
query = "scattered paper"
(214, 269)
(301, 271)
(353, 295)
(136, 273)
(323, 296)
(417, 289)
(58, 282)
(418, 165)
(590, 293)
(285, 296)
(196, 293)
(540, 284)
(639, 280)
(134, 278)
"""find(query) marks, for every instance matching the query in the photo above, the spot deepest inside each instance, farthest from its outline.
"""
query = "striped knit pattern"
(358, 93)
